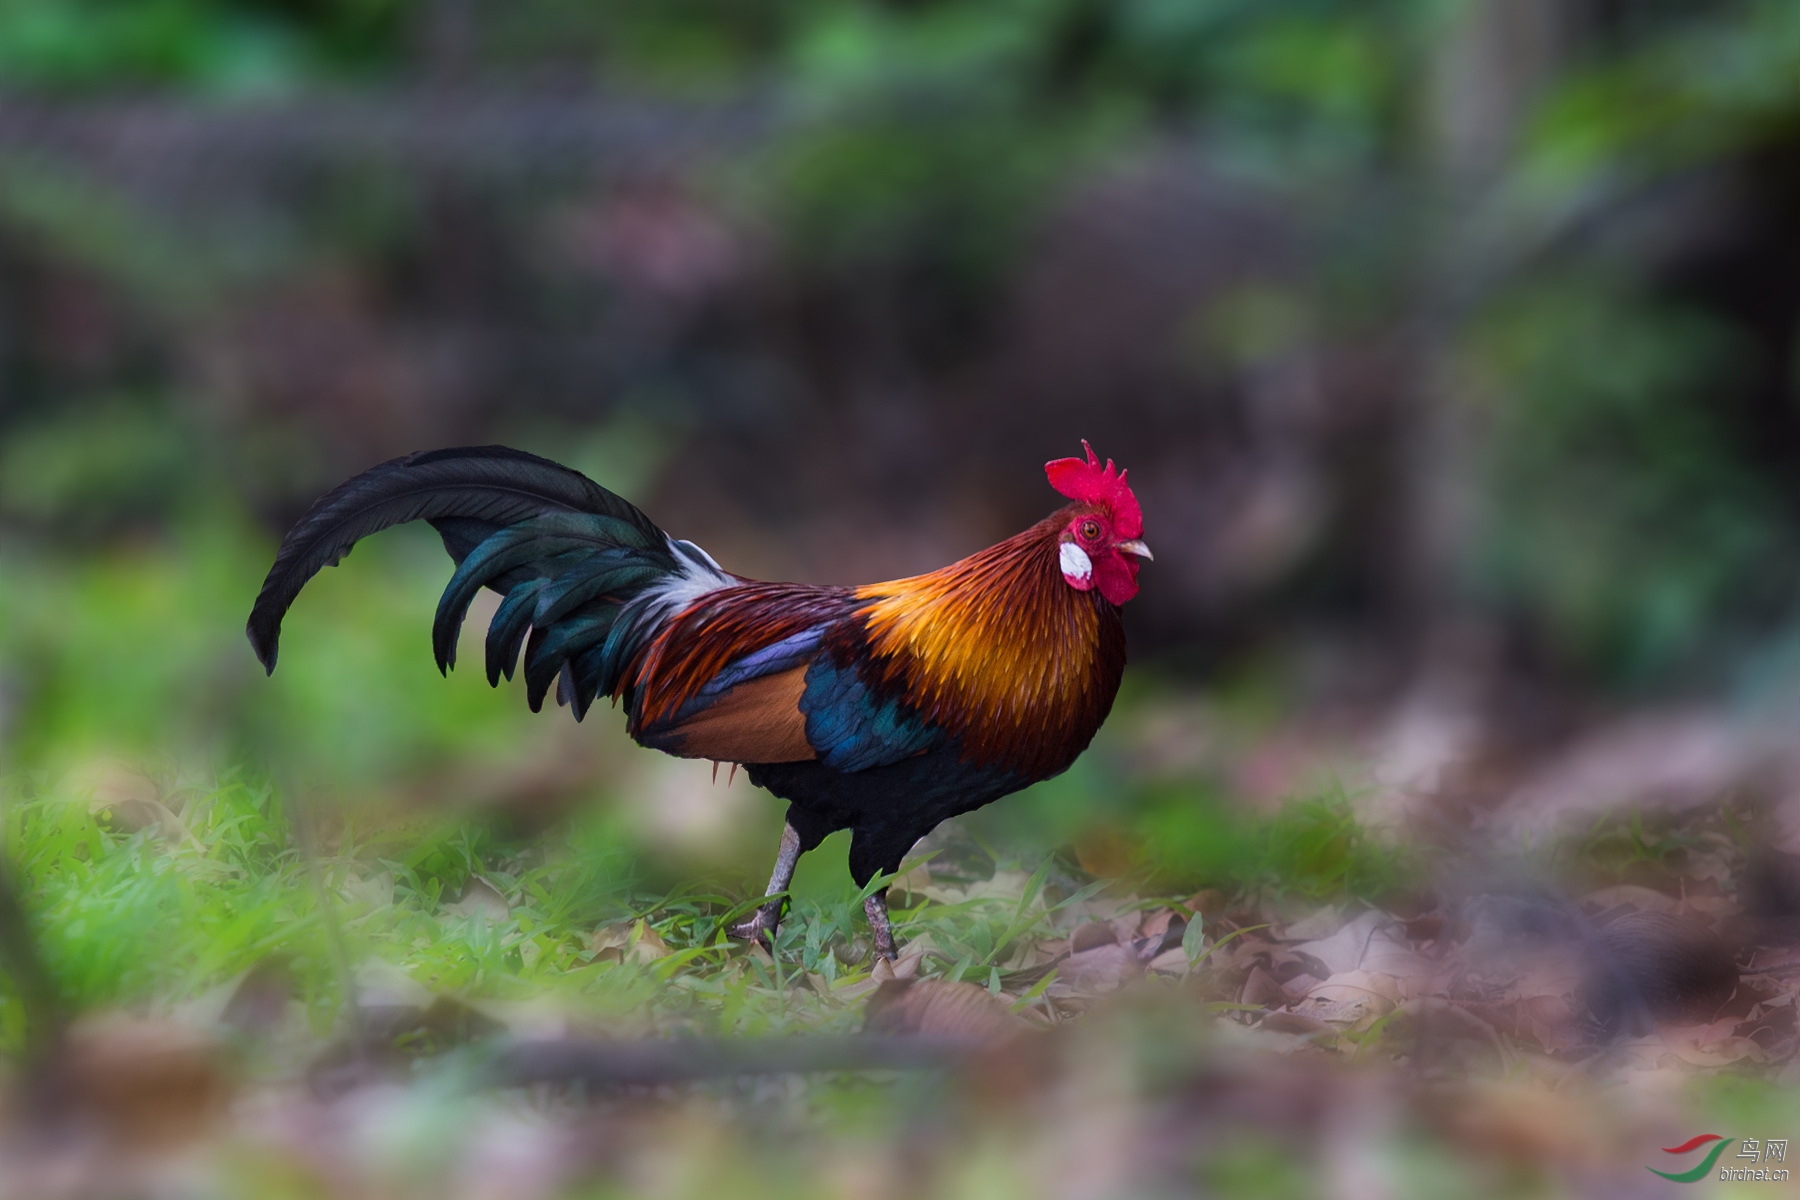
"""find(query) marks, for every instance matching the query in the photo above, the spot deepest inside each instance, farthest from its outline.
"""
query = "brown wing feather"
(758, 721)
(718, 629)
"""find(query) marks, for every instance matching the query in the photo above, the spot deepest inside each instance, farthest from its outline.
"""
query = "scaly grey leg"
(762, 924)
(876, 909)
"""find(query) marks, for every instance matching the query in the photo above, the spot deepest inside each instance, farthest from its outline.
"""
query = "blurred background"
(1437, 336)
(1453, 347)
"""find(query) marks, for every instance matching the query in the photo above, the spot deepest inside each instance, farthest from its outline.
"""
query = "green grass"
(1313, 847)
(125, 919)
(153, 918)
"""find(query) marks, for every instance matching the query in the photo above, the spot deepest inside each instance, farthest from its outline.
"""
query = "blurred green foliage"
(134, 923)
(1643, 532)
(139, 651)
(221, 46)
(1624, 510)
(1625, 518)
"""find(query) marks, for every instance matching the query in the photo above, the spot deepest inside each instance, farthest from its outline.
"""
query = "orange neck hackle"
(999, 649)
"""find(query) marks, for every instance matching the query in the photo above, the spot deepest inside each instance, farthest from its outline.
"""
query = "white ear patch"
(1077, 567)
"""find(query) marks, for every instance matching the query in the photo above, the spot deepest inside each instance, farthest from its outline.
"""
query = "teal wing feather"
(851, 726)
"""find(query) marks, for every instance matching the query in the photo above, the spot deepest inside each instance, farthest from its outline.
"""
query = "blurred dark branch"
(45, 1018)
(688, 1060)
(466, 127)
(306, 839)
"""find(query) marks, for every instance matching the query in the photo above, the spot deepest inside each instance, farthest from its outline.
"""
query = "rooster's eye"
(1090, 530)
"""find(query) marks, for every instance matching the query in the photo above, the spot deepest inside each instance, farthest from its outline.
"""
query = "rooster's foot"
(759, 926)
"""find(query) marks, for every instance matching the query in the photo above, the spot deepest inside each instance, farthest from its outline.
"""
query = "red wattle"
(1116, 577)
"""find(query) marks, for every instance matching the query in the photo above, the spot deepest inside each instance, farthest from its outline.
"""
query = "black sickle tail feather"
(565, 552)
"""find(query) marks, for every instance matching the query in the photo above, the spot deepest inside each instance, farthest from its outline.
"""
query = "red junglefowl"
(880, 709)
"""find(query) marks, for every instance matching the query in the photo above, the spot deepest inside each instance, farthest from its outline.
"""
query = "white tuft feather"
(1075, 562)
(697, 574)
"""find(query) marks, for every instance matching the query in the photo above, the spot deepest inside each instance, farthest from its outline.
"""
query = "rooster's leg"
(875, 908)
(761, 924)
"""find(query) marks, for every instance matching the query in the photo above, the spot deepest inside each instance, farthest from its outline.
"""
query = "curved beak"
(1136, 547)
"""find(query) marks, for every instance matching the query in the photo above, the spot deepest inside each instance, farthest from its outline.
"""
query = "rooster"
(881, 709)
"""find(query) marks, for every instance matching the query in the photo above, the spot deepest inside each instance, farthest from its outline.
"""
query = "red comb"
(1093, 484)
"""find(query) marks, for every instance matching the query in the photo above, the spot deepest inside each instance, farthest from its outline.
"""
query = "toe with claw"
(759, 926)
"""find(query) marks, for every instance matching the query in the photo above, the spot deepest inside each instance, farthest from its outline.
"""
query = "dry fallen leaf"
(609, 941)
(1527, 1124)
(480, 899)
(906, 968)
(1629, 894)
(1091, 935)
(1102, 969)
(151, 1083)
(646, 944)
(1315, 925)
(1263, 990)
(260, 998)
(1156, 924)
(380, 984)
(1351, 998)
(1711, 1045)
(1170, 962)
(1370, 942)
(1301, 1024)
(1553, 1021)
(372, 890)
(940, 1008)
